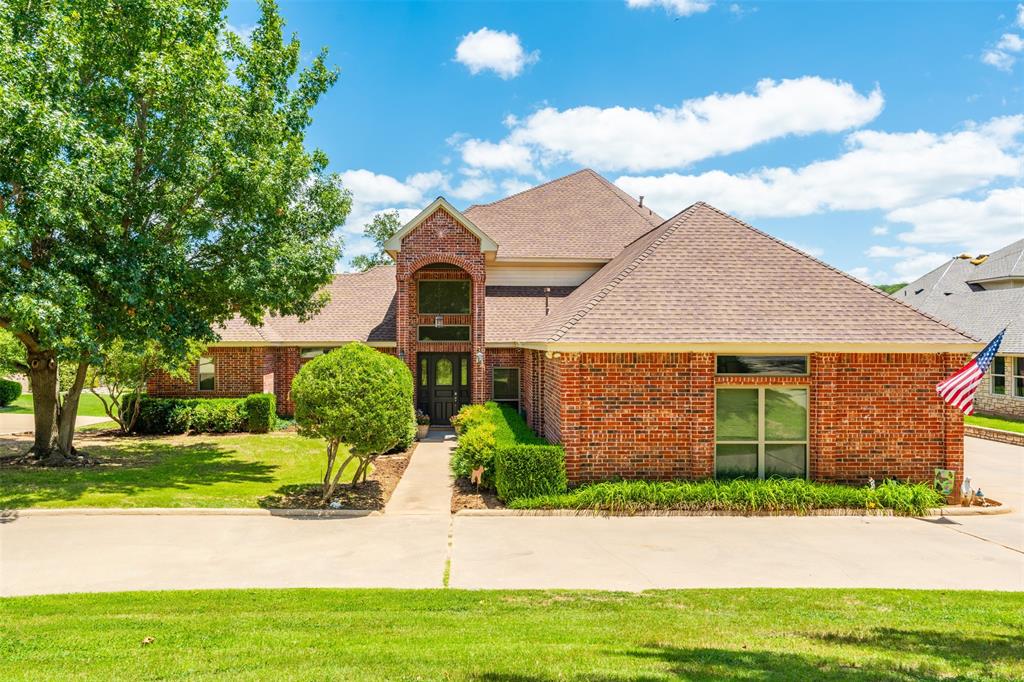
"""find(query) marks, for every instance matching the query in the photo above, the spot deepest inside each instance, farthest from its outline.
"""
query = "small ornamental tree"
(357, 399)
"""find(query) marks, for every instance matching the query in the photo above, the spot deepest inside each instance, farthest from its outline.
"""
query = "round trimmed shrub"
(9, 392)
(356, 398)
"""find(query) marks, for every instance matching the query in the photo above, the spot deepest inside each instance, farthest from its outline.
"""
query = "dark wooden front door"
(446, 386)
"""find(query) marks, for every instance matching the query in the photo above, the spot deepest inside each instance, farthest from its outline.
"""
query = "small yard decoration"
(358, 400)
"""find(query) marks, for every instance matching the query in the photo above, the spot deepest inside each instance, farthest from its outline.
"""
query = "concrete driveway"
(96, 553)
(24, 423)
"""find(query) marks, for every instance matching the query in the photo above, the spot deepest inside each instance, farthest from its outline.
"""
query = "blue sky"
(881, 137)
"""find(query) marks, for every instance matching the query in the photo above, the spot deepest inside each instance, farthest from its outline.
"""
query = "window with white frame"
(999, 370)
(505, 386)
(1018, 377)
(207, 374)
(761, 432)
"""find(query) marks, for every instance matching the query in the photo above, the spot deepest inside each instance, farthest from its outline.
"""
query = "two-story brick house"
(682, 348)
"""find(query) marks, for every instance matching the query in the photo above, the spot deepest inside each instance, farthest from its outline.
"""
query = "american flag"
(959, 389)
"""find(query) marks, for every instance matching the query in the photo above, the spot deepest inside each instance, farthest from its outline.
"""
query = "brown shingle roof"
(706, 277)
(511, 311)
(361, 308)
(580, 216)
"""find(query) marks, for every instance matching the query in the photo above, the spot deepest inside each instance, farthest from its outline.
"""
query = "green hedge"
(482, 429)
(774, 495)
(529, 471)
(261, 412)
(203, 415)
(9, 392)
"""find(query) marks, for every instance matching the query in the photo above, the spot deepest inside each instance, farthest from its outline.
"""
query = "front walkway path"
(426, 485)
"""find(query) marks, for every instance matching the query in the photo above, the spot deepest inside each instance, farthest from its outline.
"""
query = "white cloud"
(879, 171)
(979, 226)
(1002, 56)
(870, 276)
(1011, 42)
(371, 188)
(681, 8)
(500, 156)
(473, 188)
(879, 230)
(910, 262)
(512, 186)
(815, 251)
(496, 51)
(1020, 15)
(640, 140)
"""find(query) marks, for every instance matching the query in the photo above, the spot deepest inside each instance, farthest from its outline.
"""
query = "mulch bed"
(370, 495)
(466, 495)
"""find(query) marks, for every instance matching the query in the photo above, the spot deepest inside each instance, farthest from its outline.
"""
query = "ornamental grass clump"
(793, 496)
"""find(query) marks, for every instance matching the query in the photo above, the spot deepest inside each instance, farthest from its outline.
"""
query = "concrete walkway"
(25, 423)
(426, 485)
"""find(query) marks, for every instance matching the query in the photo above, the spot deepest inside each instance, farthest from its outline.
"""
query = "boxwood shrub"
(482, 429)
(529, 471)
(261, 412)
(203, 415)
(9, 392)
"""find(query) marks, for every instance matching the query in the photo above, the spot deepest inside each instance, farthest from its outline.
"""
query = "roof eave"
(393, 245)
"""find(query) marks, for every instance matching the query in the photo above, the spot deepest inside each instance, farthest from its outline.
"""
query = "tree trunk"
(68, 412)
(43, 379)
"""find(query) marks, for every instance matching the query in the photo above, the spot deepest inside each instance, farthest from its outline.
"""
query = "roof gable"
(394, 244)
(581, 216)
(706, 277)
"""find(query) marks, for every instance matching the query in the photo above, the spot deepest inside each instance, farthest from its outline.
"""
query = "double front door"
(444, 385)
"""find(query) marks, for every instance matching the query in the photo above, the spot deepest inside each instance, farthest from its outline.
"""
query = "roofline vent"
(641, 201)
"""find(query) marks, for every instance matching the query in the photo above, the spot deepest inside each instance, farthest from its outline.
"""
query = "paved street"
(408, 546)
(24, 423)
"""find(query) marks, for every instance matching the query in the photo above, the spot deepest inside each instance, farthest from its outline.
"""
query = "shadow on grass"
(922, 656)
(130, 471)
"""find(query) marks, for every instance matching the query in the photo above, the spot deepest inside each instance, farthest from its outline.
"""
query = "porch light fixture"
(438, 320)
(401, 355)
(479, 357)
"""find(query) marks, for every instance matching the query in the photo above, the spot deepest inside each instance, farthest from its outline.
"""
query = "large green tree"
(382, 228)
(153, 182)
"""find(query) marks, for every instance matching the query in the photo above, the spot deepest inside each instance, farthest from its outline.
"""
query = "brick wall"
(502, 357)
(440, 239)
(652, 415)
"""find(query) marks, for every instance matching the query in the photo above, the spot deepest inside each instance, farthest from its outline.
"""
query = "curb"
(945, 511)
(190, 511)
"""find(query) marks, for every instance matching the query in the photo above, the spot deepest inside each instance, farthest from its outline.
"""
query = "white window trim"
(199, 374)
(519, 386)
(805, 373)
(761, 441)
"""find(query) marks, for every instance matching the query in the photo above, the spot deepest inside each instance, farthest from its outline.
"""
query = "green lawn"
(740, 635)
(88, 406)
(995, 422)
(172, 471)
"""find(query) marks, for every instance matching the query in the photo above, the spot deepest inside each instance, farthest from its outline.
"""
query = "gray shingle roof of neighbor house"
(945, 293)
(579, 217)
(706, 277)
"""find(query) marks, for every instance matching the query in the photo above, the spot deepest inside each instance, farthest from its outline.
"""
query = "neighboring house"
(982, 296)
(682, 348)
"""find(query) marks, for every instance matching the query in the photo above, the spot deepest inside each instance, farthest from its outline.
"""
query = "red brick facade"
(652, 415)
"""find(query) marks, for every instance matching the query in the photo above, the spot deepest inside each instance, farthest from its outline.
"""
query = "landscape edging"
(995, 435)
(190, 511)
(944, 511)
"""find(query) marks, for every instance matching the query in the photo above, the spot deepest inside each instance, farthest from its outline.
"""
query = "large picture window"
(760, 432)
(505, 386)
(444, 296)
(207, 374)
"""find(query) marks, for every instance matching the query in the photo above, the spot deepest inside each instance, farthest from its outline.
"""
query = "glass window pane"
(736, 461)
(999, 365)
(457, 333)
(307, 353)
(443, 372)
(785, 414)
(423, 371)
(463, 372)
(444, 296)
(736, 414)
(206, 374)
(762, 364)
(505, 384)
(999, 384)
(788, 461)
(1019, 383)
(1020, 366)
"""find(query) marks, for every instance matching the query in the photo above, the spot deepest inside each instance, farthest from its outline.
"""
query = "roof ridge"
(530, 189)
(623, 273)
(837, 270)
(617, 191)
